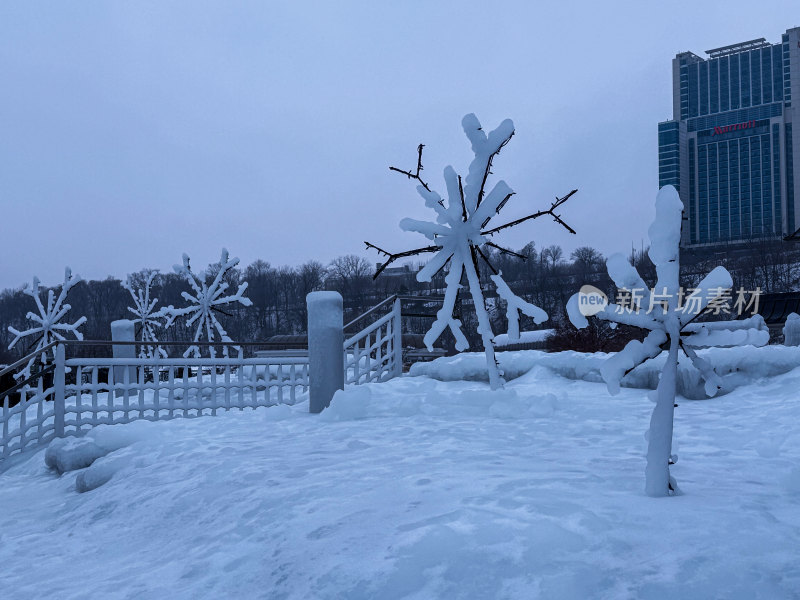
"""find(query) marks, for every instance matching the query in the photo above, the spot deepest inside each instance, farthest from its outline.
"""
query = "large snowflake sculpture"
(147, 318)
(48, 326)
(460, 233)
(671, 325)
(205, 302)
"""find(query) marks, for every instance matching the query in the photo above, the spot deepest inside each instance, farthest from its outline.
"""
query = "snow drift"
(736, 367)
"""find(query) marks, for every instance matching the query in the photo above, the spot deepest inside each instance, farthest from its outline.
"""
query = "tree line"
(546, 277)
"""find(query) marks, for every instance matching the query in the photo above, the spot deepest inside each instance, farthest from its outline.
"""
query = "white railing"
(376, 352)
(34, 417)
(92, 391)
(85, 392)
(30, 421)
(160, 389)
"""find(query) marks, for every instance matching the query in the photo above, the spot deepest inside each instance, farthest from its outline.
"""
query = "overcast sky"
(133, 132)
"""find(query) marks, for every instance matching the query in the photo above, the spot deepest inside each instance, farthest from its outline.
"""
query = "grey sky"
(134, 132)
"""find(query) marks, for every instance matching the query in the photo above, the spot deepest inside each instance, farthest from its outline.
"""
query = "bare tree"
(553, 255)
(350, 275)
(586, 261)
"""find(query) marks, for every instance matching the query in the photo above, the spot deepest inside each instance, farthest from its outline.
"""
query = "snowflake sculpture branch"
(205, 302)
(147, 318)
(671, 327)
(48, 327)
(460, 233)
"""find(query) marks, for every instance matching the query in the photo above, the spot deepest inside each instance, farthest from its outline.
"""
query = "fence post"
(397, 342)
(58, 391)
(123, 330)
(325, 348)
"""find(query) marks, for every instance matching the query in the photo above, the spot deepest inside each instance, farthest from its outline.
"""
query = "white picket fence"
(86, 392)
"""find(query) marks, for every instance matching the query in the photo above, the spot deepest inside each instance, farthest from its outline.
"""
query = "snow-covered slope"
(421, 489)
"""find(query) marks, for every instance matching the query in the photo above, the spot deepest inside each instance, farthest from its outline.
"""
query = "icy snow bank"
(736, 367)
(97, 452)
(526, 337)
(360, 402)
(103, 469)
(70, 454)
(791, 330)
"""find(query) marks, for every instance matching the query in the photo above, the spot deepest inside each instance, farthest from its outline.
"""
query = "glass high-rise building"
(731, 149)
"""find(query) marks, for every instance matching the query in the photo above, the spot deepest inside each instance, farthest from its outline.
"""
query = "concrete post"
(124, 331)
(325, 348)
(58, 391)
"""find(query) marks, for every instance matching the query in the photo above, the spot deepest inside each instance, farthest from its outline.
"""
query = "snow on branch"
(459, 240)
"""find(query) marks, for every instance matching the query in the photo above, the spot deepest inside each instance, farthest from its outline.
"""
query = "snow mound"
(366, 401)
(70, 454)
(97, 451)
(735, 366)
(102, 470)
(791, 330)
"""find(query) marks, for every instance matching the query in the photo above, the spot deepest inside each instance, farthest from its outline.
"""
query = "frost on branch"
(460, 234)
(670, 327)
(47, 326)
(147, 318)
(206, 302)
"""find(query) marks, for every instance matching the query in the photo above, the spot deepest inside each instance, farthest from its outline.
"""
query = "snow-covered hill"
(418, 488)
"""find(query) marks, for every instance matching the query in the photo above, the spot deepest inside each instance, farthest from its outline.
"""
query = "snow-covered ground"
(418, 488)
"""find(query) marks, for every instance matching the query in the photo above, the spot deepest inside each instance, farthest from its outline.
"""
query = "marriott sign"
(729, 128)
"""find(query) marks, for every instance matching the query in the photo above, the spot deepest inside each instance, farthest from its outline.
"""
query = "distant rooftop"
(690, 54)
(740, 47)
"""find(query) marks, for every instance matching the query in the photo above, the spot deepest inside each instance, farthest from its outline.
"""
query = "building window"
(744, 60)
(693, 87)
(755, 77)
(704, 88)
(790, 222)
(766, 75)
(724, 85)
(777, 73)
(713, 85)
(734, 72)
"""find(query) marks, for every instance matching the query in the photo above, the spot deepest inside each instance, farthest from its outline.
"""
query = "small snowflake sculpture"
(205, 302)
(671, 327)
(48, 327)
(147, 318)
(514, 306)
(460, 233)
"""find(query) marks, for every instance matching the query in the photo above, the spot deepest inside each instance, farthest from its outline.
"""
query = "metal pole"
(397, 342)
